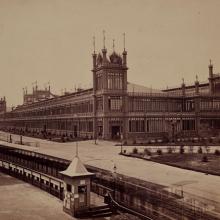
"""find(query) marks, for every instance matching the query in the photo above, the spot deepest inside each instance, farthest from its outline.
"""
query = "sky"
(51, 41)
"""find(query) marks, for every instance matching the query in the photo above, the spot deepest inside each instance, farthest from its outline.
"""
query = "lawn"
(193, 161)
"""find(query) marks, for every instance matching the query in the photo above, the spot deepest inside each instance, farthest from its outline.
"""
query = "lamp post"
(121, 142)
(114, 176)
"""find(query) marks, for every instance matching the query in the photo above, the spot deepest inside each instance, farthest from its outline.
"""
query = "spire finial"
(113, 45)
(183, 80)
(210, 61)
(196, 77)
(103, 38)
(94, 44)
(124, 40)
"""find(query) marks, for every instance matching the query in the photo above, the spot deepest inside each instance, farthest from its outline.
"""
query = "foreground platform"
(202, 190)
(20, 200)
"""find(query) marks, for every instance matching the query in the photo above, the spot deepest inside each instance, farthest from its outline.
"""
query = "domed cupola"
(115, 58)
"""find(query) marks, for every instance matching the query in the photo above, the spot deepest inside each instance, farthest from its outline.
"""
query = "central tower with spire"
(109, 92)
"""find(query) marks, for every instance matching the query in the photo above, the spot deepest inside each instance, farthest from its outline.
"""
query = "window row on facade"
(160, 125)
(69, 125)
(114, 81)
(207, 105)
(86, 107)
(159, 105)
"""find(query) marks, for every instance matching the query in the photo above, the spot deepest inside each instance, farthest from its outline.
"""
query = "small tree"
(159, 152)
(135, 150)
(200, 150)
(181, 149)
(147, 152)
(217, 152)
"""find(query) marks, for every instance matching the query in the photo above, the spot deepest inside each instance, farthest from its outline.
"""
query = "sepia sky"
(51, 40)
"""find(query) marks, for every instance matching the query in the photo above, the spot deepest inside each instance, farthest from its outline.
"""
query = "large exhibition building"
(117, 109)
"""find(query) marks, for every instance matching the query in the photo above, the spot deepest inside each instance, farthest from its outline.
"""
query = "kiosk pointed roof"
(76, 169)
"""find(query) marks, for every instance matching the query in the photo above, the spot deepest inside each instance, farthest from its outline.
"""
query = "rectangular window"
(99, 105)
(136, 125)
(114, 81)
(81, 189)
(115, 103)
(68, 188)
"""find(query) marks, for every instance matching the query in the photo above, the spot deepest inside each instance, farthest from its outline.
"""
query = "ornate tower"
(110, 92)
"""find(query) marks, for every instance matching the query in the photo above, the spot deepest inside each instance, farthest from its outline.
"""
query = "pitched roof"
(131, 87)
(76, 169)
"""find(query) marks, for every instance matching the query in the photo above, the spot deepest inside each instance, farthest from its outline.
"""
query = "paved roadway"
(203, 188)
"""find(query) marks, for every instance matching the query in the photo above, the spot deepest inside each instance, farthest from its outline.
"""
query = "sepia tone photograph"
(110, 110)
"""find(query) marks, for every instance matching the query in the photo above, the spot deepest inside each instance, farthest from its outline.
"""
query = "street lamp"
(114, 176)
(121, 142)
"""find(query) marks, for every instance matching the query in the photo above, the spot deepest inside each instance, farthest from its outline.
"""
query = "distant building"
(37, 95)
(114, 108)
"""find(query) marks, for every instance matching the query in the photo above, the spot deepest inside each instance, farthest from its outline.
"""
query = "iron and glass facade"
(116, 109)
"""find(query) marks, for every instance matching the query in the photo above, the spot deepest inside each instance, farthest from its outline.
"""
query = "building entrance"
(82, 190)
(116, 131)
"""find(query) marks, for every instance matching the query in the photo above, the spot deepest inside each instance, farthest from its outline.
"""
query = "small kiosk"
(76, 188)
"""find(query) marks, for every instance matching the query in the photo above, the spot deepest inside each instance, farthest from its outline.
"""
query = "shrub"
(147, 151)
(204, 158)
(217, 152)
(200, 150)
(159, 152)
(181, 149)
(135, 150)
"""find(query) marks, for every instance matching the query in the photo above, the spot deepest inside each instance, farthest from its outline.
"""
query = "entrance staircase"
(100, 211)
